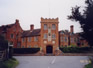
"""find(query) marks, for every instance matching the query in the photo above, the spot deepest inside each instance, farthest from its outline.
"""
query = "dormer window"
(62, 32)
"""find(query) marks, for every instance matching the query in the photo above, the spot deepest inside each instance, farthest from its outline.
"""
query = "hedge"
(25, 50)
(75, 49)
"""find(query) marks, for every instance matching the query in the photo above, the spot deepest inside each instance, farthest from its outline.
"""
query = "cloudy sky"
(30, 11)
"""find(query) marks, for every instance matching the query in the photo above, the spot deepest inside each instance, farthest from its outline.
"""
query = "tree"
(85, 19)
(3, 43)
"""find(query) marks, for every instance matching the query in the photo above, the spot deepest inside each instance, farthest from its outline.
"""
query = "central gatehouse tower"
(49, 35)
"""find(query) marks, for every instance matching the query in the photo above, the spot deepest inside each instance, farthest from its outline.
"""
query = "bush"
(3, 43)
(25, 50)
(75, 49)
(10, 63)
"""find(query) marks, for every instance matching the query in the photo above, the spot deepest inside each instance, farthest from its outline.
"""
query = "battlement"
(49, 20)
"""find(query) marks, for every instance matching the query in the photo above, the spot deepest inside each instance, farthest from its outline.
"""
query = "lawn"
(10, 63)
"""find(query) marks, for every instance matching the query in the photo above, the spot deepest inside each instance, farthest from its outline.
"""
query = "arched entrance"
(49, 49)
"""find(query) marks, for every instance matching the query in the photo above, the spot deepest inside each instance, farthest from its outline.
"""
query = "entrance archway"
(49, 49)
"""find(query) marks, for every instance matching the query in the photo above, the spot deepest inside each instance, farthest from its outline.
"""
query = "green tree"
(85, 19)
(3, 43)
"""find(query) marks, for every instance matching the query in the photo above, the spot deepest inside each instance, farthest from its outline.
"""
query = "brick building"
(48, 38)
(12, 32)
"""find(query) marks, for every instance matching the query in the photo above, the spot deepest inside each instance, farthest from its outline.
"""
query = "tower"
(49, 35)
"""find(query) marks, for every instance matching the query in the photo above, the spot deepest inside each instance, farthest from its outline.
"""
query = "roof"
(29, 33)
(64, 32)
(5, 27)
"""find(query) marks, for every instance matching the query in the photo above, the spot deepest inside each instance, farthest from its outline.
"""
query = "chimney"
(32, 27)
(72, 29)
(17, 21)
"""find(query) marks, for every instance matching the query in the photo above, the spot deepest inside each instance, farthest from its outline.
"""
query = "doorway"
(49, 49)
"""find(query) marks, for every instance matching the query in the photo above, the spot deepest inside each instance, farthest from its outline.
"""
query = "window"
(36, 46)
(17, 36)
(78, 40)
(62, 32)
(11, 43)
(53, 26)
(65, 38)
(82, 43)
(53, 36)
(22, 46)
(45, 26)
(29, 39)
(35, 38)
(75, 39)
(23, 39)
(71, 40)
(45, 36)
(62, 39)
(29, 46)
(12, 36)
(18, 44)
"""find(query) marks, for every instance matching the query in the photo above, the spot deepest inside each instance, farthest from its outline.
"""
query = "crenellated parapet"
(49, 20)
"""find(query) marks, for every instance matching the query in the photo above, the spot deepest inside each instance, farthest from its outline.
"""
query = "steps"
(49, 55)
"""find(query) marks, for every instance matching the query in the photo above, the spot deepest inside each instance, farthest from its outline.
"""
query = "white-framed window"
(29, 39)
(35, 38)
(12, 36)
(23, 39)
(53, 26)
(75, 39)
(45, 26)
(53, 36)
(29, 46)
(71, 40)
(62, 39)
(62, 32)
(11, 43)
(65, 39)
(45, 36)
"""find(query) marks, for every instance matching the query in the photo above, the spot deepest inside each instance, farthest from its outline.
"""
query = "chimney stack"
(17, 21)
(72, 29)
(32, 27)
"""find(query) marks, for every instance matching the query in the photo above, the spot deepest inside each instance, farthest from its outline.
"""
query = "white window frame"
(35, 39)
(53, 36)
(29, 39)
(45, 27)
(53, 26)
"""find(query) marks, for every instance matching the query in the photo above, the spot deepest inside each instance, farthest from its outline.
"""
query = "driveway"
(52, 61)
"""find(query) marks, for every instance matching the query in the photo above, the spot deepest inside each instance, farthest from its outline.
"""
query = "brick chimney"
(71, 29)
(17, 21)
(32, 27)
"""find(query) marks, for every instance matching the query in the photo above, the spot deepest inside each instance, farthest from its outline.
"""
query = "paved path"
(52, 61)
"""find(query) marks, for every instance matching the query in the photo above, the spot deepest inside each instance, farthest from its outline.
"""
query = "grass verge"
(10, 63)
(89, 65)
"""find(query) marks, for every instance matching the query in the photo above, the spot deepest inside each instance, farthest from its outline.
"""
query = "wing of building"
(48, 38)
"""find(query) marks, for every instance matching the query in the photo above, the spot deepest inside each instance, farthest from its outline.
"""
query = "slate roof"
(5, 27)
(29, 33)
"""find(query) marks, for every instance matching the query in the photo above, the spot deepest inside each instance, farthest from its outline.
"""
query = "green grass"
(89, 65)
(11, 63)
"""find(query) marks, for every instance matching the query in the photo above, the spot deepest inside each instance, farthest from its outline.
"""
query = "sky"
(30, 12)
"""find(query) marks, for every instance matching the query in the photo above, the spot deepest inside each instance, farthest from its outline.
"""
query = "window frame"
(53, 27)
